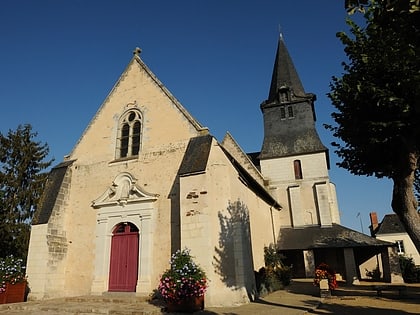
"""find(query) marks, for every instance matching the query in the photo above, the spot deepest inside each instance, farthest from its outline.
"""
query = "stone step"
(114, 304)
(131, 298)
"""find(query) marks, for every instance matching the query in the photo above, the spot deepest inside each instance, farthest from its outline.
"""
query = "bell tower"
(293, 159)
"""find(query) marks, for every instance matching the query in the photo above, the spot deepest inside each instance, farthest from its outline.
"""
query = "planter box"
(324, 288)
(191, 305)
(14, 293)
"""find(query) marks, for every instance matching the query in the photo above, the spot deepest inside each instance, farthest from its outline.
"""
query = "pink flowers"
(184, 279)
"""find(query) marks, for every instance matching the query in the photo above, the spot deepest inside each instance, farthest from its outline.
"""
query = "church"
(146, 178)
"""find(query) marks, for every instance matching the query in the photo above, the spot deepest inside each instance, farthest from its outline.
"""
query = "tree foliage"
(377, 101)
(22, 162)
(410, 6)
(417, 186)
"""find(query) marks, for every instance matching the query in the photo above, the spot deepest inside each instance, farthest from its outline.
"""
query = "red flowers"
(323, 271)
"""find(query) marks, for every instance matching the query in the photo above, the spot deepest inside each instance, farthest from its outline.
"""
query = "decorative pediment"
(122, 191)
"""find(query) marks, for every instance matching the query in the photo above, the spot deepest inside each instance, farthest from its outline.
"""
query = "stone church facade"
(146, 178)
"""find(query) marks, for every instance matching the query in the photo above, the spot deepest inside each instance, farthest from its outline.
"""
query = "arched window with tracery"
(129, 134)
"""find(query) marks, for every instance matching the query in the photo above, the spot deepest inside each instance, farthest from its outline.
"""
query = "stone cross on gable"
(137, 51)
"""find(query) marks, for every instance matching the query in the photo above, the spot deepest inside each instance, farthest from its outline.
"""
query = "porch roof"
(334, 236)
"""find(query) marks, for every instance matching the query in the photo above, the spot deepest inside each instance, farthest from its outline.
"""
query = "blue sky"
(59, 60)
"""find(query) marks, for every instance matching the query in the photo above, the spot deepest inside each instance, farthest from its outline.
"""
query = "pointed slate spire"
(289, 114)
(284, 74)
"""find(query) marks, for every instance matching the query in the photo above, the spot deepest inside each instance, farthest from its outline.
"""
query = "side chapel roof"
(196, 156)
(50, 194)
(195, 162)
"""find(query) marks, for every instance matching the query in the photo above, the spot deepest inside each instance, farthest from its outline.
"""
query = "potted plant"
(12, 280)
(325, 272)
(183, 285)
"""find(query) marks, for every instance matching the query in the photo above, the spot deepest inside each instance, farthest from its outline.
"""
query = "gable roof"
(335, 236)
(252, 183)
(181, 108)
(231, 146)
(389, 225)
(138, 61)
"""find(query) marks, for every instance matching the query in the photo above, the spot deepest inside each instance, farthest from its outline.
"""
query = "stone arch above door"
(124, 201)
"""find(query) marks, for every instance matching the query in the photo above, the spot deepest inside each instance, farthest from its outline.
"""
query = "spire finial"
(280, 32)
(137, 51)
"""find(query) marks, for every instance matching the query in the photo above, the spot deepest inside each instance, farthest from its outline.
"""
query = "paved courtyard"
(301, 297)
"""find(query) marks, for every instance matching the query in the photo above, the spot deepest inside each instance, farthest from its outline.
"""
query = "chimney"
(373, 222)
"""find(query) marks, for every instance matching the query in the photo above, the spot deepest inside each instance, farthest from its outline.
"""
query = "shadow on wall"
(233, 257)
(175, 225)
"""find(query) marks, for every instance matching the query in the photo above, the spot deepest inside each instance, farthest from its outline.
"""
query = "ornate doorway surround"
(123, 202)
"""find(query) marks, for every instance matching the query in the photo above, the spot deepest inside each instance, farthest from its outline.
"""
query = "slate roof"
(196, 156)
(295, 134)
(389, 225)
(335, 236)
(51, 190)
(195, 162)
(284, 73)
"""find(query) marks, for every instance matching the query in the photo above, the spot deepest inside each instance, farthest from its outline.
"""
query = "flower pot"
(189, 305)
(14, 293)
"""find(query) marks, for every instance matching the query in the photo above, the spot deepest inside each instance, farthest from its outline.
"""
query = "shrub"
(410, 273)
(374, 274)
(275, 275)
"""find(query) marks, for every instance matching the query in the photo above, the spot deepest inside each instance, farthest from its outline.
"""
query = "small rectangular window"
(298, 169)
(290, 111)
(400, 247)
(282, 113)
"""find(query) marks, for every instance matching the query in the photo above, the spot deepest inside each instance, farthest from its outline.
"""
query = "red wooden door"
(124, 258)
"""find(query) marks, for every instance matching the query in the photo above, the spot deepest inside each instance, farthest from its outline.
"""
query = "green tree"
(377, 102)
(417, 187)
(22, 161)
(410, 6)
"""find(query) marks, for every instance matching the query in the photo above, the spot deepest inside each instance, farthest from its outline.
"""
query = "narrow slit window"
(125, 132)
(400, 247)
(284, 96)
(298, 169)
(136, 138)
